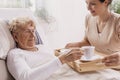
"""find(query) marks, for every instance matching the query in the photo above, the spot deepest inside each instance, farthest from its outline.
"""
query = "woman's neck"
(32, 49)
(102, 20)
(29, 49)
(104, 17)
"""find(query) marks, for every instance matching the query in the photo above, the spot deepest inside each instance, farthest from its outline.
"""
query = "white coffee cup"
(88, 52)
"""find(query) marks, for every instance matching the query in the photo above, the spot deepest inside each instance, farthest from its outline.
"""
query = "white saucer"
(83, 58)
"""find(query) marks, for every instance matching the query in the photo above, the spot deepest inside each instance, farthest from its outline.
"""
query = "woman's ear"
(106, 2)
(15, 37)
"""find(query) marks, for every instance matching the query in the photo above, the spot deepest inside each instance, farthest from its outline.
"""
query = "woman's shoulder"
(89, 19)
(115, 16)
(116, 21)
(88, 16)
(14, 52)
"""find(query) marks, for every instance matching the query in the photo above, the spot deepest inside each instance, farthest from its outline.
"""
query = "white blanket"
(66, 73)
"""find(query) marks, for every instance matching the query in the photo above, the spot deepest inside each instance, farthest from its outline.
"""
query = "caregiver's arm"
(84, 42)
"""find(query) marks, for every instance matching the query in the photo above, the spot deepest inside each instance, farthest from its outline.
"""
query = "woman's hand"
(112, 60)
(73, 55)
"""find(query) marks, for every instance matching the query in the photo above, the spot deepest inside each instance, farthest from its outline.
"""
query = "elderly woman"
(33, 62)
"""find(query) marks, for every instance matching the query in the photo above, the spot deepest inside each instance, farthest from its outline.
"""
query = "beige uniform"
(108, 41)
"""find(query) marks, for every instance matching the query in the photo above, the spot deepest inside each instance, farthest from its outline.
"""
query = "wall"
(68, 25)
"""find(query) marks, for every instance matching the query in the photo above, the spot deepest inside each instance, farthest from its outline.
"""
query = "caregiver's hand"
(112, 60)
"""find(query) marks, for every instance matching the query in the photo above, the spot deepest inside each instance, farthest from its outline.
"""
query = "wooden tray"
(87, 66)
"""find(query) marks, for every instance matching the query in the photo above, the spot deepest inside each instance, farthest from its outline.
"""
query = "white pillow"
(6, 40)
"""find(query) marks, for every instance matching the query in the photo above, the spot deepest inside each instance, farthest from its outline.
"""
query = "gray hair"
(19, 22)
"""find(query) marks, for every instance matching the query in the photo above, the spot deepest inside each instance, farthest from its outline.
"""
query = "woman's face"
(26, 37)
(95, 7)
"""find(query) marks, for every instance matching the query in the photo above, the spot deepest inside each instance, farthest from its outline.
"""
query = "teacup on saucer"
(83, 58)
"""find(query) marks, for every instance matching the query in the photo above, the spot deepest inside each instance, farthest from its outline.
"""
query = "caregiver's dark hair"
(110, 1)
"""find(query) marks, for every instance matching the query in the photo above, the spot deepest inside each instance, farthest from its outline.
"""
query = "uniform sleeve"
(117, 30)
(20, 70)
